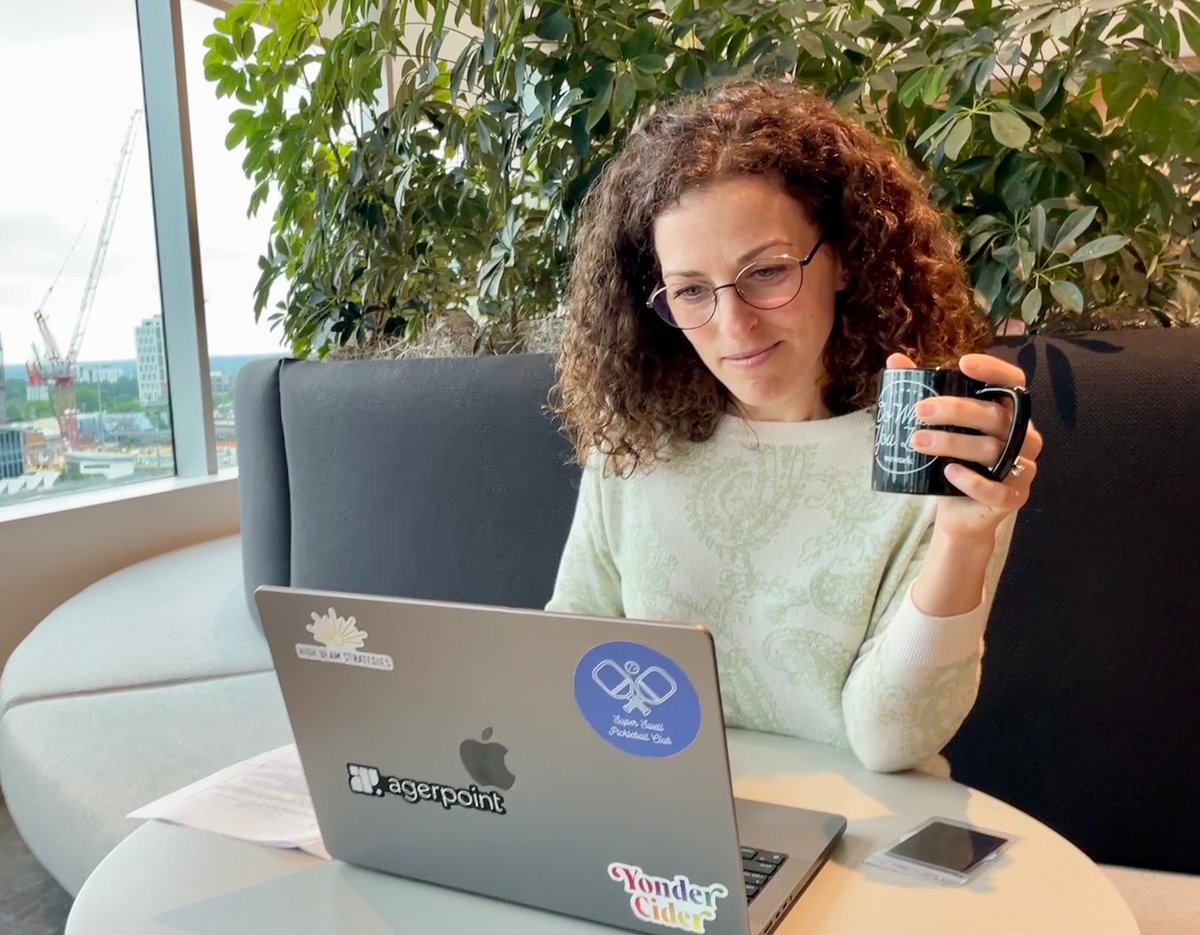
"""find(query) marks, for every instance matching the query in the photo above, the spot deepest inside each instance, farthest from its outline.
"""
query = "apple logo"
(485, 762)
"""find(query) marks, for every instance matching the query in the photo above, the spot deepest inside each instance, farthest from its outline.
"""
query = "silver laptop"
(574, 764)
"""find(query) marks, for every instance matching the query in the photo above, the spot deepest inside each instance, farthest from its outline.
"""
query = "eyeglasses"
(767, 283)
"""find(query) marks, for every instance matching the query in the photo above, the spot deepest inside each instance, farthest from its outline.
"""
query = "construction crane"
(50, 367)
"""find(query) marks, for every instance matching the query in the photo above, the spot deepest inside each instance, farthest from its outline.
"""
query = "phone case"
(945, 876)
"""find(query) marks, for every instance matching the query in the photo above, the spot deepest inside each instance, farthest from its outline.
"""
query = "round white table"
(163, 879)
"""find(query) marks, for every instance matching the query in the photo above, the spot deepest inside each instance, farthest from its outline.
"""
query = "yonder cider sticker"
(676, 903)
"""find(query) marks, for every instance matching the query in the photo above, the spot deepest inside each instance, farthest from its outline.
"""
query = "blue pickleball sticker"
(637, 699)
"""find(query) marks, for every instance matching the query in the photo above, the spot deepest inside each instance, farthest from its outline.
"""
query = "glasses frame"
(733, 285)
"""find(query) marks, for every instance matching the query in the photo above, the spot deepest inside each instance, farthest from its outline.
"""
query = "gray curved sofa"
(446, 480)
(147, 680)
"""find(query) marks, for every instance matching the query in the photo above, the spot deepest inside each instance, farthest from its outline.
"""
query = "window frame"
(180, 276)
(180, 271)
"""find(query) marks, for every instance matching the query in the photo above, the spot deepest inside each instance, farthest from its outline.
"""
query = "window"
(230, 243)
(77, 244)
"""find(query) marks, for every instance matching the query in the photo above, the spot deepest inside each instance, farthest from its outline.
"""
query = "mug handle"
(1022, 411)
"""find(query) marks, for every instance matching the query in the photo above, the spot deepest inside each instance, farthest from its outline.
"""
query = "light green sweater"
(769, 534)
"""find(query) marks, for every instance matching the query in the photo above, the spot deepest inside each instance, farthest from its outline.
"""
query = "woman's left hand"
(987, 502)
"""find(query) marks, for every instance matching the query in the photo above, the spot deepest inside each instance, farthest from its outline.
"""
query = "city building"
(93, 373)
(220, 381)
(38, 453)
(107, 464)
(151, 362)
(115, 426)
(28, 484)
(12, 452)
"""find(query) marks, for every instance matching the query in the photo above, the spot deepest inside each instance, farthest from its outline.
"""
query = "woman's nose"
(735, 315)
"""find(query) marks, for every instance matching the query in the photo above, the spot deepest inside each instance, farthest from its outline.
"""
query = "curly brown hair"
(630, 385)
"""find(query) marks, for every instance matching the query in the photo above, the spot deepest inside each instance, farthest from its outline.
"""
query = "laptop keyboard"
(758, 867)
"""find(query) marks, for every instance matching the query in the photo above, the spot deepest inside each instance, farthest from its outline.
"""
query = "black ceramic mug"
(897, 467)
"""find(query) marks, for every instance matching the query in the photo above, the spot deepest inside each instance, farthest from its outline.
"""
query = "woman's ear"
(843, 275)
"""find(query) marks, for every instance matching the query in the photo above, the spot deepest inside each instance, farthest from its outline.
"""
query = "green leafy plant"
(428, 155)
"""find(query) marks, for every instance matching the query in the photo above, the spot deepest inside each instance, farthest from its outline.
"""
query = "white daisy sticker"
(340, 640)
(336, 632)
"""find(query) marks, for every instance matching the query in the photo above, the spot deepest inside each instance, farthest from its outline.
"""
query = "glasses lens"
(686, 305)
(771, 283)
(662, 309)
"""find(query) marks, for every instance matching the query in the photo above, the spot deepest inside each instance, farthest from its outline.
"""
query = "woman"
(744, 268)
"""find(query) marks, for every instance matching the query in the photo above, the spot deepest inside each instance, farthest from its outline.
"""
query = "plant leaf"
(958, 137)
(935, 84)
(981, 223)
(641, 42)
(1037, 228)
(1009, 129)
(1072, 227)
(1067, 295)
(911, 89)
(554, 27)
(651, 62)
(1051, 82)
(1191, 31)
(811, 43)
(884, 81)
(1171, 36)
(1121, 92)
(1025, 260)
(987, 288)
(983, 74)
(979, 241)
(599, 106)
(1064, 24)
(936, 131)
(1101, 246)
(915, 59)
(624, 93)
(1031, 305)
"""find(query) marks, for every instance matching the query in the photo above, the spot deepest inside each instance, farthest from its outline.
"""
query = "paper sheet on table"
(263, 800)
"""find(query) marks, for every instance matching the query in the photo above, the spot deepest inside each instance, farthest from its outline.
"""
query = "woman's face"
(769, 360)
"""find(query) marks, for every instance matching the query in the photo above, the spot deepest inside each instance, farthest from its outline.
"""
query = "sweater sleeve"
(588, 581)
(916, 677)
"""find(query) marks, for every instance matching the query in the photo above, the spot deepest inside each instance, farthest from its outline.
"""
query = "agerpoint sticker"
(637, 699)
(678, 903)
(369, 780)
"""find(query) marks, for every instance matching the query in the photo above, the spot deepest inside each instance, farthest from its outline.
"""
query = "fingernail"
(920, 440)
(925, 409)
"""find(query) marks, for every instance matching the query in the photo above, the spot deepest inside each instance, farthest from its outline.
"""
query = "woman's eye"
(689, 293)
(767, 273)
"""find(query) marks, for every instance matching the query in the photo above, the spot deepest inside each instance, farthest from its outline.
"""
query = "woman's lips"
(752, 359)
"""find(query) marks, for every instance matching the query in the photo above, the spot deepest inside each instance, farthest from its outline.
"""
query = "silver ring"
(1017, 469)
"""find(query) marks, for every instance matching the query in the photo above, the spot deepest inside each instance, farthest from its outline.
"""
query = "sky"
(70, 78)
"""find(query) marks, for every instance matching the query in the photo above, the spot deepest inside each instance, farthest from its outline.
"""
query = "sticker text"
(677, 903)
